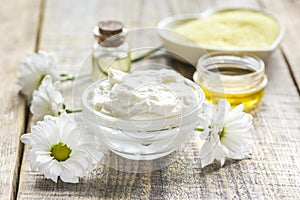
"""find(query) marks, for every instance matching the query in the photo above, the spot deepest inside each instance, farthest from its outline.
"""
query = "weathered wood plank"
(273, 171)
(288, 11)
(18, 25)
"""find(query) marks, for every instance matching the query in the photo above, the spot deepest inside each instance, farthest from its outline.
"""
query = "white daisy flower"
(226, 133)
(34, 68)
(58, 149)
(47, 100)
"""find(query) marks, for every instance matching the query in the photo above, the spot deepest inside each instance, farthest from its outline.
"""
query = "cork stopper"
(110, 27)
(108, 33)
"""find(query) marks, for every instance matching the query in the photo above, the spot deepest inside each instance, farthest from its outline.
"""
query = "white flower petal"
(64, 119)
(222, 160)
(205, 124)
(238, 109)
(220, 153)
(219, 118)
(228, 135)
(50, 132)
(48, 173)
(33, 67)
(209, 110)
(69, 133)
(47, 100)
(27, 139)
(206, 154)
(69, 179)
(207, 160)
(43, 158)
(72, 167)
(56, 169)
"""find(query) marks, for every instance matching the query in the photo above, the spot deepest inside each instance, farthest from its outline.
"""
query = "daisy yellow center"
(222, 133)
(60, 151)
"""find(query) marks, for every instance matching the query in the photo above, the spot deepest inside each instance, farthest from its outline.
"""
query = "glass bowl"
(142, 139)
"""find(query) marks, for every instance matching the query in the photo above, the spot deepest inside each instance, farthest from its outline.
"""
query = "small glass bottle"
(111, 49)
(236, 77)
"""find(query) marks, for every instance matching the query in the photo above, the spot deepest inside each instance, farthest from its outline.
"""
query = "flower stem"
(199, 129)
(73, 111)
(69, 77)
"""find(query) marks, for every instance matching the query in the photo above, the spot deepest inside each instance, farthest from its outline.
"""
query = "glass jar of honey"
(236, 77)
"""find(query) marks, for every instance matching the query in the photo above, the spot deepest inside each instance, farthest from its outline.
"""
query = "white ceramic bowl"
(190, 52)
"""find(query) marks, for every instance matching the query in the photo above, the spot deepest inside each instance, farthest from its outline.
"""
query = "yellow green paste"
(232, 29)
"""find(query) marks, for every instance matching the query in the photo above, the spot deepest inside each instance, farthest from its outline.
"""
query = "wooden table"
(65, 27)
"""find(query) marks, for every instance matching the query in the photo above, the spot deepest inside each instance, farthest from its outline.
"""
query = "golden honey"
(237, 78)
(250, 100)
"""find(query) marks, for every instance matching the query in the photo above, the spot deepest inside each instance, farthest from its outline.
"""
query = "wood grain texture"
(273, 172)
(288, 11)
(18, 25)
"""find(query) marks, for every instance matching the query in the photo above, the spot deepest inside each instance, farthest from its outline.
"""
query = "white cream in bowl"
(142, 115)
(139, 95)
